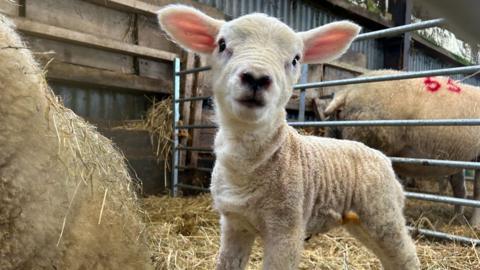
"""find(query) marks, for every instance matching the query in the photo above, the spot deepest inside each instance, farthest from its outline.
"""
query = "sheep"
(66, 199)
(268, 180)
(421, 98)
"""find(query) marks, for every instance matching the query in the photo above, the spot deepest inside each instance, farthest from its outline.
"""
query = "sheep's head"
(255, 58)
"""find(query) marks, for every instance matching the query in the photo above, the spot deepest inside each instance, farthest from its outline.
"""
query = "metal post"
(176, 118)
(301, 104)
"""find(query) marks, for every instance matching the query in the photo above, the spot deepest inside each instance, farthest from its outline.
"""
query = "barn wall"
(96, 64)
(423, 59)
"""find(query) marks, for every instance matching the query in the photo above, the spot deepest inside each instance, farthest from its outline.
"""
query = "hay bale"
(66, 199)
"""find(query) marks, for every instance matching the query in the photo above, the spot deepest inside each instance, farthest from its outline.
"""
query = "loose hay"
(158, 123)
(66, 198)
(188, 234)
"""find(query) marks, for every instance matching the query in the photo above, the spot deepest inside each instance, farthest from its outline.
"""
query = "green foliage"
(370, 5)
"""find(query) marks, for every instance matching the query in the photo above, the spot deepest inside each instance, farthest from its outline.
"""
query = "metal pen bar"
(196, 126)
(202, 169)
(391, 77)
(445, 236)
(185, 186)
(208, 97)
(176, 118)
(192, 70)
(196, 149)
(393, 31)
(192, 98)
(414, 122)
(442, 199)
(301, 106)
(400, 122)
(437, 162)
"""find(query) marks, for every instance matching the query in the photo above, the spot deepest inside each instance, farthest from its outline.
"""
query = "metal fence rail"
(442, 199)
(445, 236)
(358, 123)
(391, 77)
(175, 185)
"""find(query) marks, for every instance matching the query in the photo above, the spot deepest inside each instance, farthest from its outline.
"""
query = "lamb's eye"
(221, 45)
(295, 60)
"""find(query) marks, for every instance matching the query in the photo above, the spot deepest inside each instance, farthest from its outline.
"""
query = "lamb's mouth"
(251, 102)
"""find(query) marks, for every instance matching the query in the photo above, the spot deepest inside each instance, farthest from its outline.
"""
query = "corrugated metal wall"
(300, 16)
(420, 60)
(101, 105)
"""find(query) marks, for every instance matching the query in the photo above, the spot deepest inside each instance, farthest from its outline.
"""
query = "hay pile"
(66, 199)
(188, 238)
(158, 123)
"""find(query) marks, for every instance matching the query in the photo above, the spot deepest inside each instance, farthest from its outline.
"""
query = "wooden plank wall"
(106, 62)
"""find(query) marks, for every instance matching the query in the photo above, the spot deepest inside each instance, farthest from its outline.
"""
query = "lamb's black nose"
(255, 84)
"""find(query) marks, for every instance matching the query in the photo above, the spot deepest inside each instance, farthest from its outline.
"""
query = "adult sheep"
(66, 198)
(268, 180)
(421, 98)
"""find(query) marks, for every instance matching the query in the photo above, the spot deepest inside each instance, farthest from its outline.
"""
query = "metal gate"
(176, 184)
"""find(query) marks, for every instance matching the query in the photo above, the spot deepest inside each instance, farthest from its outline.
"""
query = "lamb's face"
(256, 58)
(255, 62)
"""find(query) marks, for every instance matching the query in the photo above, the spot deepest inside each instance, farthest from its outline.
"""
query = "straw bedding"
(188, 238)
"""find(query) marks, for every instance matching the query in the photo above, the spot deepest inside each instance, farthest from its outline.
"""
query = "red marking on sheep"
(453, 87)
(432, 84)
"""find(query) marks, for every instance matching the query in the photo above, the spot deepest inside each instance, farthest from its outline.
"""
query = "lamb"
(66, 199)
(268, 180)
(421, 98)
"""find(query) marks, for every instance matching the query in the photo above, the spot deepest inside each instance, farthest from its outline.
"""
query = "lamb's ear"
(328, 42)
(189, 28)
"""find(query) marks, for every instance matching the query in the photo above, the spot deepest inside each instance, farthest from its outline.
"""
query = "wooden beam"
(397, 49)
(129, 6)
(141, 7)
(366, 17)
(64, 72)
(56, 33)
(197, 110)
(440, 52)
(186, 106)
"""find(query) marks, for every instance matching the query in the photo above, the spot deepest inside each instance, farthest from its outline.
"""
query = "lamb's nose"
(255, 84)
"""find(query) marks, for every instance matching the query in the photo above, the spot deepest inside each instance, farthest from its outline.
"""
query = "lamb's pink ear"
(328, 42)
(189, 28)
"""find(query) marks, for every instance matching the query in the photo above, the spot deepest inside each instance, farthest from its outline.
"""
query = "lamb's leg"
(382, 229)
(282, 248)
(475, 219)
(235, 246)
(394, 247)
(459, 190)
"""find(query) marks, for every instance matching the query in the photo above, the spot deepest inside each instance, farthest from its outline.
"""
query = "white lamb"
(268, 180)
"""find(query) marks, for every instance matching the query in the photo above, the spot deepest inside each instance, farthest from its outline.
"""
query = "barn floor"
(187, 237)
